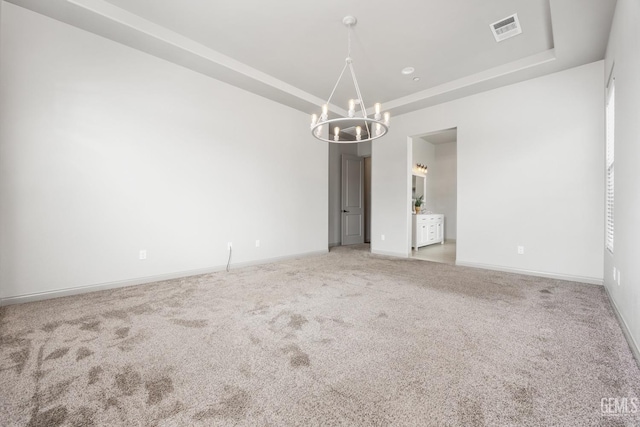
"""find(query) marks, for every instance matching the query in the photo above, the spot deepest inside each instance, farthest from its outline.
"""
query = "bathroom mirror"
(418, 186)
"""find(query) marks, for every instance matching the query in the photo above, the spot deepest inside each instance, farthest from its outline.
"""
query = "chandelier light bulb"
(352, 107)
(314, 119)
(325, 112)
(336, 133)
(377, 110)
(358, 133)
(387, 116)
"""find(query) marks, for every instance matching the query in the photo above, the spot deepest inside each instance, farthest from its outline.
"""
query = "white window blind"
(610, 156)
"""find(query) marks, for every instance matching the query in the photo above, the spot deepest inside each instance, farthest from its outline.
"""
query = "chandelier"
(353, 128)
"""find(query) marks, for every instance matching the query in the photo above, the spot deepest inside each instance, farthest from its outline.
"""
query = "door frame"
(352, 201)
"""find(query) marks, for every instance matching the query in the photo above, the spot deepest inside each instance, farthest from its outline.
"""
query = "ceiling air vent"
(506, 28)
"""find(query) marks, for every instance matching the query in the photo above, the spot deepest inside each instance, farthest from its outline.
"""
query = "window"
(610, 143)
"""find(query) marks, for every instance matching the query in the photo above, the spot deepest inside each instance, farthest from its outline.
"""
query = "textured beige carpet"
(340, 339)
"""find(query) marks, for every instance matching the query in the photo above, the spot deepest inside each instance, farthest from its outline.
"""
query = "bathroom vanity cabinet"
(427, 229)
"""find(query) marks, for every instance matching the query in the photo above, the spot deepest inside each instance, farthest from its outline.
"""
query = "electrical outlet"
(143, 254)
(382, 237)
(520, 250)
(257, 243)
(229, 245)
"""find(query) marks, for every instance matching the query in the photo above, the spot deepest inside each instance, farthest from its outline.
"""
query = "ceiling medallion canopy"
(353, 128)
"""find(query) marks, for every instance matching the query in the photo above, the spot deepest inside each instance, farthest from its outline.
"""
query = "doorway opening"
(434, 196)
(350, 194)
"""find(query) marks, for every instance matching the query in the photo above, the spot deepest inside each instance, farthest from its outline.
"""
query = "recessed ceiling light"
(416, 79)
(408, 70)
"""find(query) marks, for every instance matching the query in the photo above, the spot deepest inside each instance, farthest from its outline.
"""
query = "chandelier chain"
(349, 41)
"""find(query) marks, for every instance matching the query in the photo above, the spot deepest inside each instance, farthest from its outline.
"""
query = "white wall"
(105, 150)
(529, 173)
(444, 175)
(364, 149)
(623, 51)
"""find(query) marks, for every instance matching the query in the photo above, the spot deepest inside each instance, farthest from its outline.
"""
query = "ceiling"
(441, 137)
(292, 51)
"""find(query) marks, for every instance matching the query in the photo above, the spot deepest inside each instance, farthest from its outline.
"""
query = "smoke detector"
(506, 28)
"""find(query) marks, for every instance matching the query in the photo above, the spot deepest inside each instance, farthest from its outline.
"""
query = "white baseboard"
(581, 279)
(633, 345)
(393, 254)
(39, 296)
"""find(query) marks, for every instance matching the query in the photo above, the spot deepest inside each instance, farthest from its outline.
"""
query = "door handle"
(345, 211)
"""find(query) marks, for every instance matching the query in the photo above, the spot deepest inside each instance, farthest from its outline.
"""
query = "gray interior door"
(352, 200)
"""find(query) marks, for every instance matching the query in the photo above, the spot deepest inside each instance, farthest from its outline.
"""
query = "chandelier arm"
(355, 83)
(366, 125)
(362, 106)
(336, 85)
